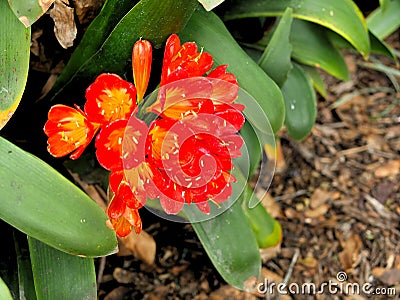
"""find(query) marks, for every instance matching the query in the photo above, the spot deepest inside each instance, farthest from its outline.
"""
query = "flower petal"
(109, 145)
(110, 98)
(68, 130)
(184, 61)
(141, 66)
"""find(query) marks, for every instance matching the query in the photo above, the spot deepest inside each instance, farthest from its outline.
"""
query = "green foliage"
(109, 49)
(28, 11)
(15, 42)
(341, 16)
(275, 60)
(71, 277)
(42, 203)
(385, 19)
(300, 102)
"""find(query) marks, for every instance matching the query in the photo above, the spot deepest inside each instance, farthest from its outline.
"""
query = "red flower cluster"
(183, 156)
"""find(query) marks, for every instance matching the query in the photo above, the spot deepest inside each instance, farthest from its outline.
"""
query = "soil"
(336, 195)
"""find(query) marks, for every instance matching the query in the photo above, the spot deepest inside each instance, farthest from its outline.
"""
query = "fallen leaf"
(118, 293)
(310, 262)
(228, 292)
(319, 211)
(271, 206)
(64, 23)
(321, 196)
(351, 250)
(142, 246)
(270, 252)
(124, 276)
(392, 168)
(390, 277)
(86, 10)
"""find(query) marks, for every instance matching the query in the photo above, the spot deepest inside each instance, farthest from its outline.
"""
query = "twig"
(291, 196)
(291, 266)
(100, 272)
(290, 269)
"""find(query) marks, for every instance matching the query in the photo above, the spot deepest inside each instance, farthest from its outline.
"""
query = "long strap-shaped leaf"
(301, 103)
(40, 202)
(341, 16)
(385, 19)
(275, 60)
(229, 242)
(58, 275)
(15, 42)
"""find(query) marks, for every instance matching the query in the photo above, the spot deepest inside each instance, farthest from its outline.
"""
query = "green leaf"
(59, 275)
(300, 101)
(275, 60)
(148, 19)
(4, 291)
(224, 237)
(28, 11)
(40, 202)
(267, 230)
(377, 45)
(208, 31)
(250, 162)
(15, 42)
(341, 16)
(25, 276)
(317, 80)
(312, 47)
(385, 19)
(380, 47)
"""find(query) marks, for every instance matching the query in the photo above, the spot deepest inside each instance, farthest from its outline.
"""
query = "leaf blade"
(275, 60)
(235, 263)
(28, 11)
(300, 101)
(58, 275)
(341, 16)
(385, 19)
(14, 62)
(312, 47)
(74, 224)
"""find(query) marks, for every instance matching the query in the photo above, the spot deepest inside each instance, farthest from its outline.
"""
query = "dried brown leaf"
(86, 10)
(390, 277)
(392, 168)
(317, 212)
(64, 23)
(271, 206)
(142, 246)
(351, 250)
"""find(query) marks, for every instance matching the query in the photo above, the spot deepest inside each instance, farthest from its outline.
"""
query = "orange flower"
(184, 61)
(123, 211)
(110, 98)
(194, 156)
(68, 130)
(141, 66)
